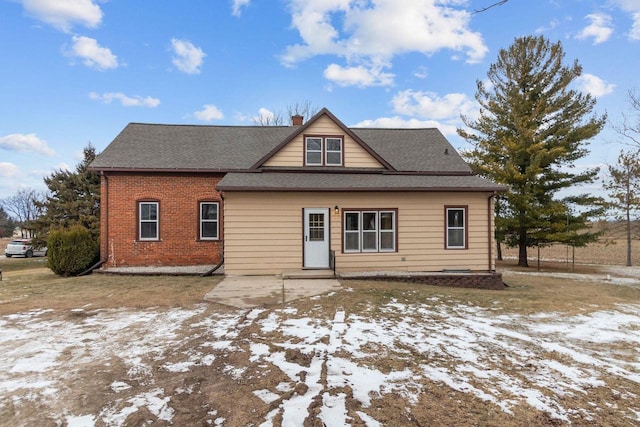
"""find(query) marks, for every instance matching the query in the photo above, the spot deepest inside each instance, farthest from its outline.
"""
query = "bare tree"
(303, 108)
(630, 126)
(23, 207)
(269, 118)
(624, 190)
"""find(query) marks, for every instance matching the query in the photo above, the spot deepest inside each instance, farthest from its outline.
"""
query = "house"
(317, 195)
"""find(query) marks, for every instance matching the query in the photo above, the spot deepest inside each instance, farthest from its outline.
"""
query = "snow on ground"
(506, 360)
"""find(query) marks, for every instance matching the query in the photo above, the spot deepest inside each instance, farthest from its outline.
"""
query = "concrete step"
(308, 274)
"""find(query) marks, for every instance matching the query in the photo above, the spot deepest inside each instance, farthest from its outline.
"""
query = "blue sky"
(77, 71)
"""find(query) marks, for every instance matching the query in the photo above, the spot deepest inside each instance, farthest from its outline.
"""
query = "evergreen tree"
(624, 190)
(74, 198)
(7, 225)
(531, 129)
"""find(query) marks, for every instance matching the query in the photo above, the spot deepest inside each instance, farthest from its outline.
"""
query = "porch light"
(336, 209)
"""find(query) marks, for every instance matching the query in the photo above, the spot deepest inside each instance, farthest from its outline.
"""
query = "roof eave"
(361, 190)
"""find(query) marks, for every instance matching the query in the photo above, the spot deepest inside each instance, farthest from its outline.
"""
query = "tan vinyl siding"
(292, 155)
(264, 231)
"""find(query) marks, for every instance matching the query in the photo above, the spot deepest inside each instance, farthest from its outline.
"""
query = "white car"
(23, 247)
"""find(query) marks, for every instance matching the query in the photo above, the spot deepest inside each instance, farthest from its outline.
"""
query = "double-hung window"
(369, 231)
(209, 221)
(456, 227)
(148, 214)
(323, 150)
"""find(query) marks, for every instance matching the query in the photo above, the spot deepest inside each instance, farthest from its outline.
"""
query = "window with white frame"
(148, 214)
(209, 220)
(323, 151)
(369, 231)
(333, 151)
(456, 226)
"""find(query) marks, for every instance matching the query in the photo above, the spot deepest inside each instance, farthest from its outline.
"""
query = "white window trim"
(463, 228)
(324, 152)
(202, 221)
(361, 231)
(147, 221)
(327, 151)
(307, 151)
(392, 231)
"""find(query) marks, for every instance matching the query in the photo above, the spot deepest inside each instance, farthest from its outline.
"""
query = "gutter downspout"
(210, 272)
(104, 202)
(490, 218)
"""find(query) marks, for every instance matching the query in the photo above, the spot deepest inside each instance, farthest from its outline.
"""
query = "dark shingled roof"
(415, 159)
(189, 147)
(157, 147)
(414, 150)
(315, 181)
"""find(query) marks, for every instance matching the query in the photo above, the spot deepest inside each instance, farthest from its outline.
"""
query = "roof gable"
(308, 128)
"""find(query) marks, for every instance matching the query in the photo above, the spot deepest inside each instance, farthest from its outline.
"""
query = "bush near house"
(71, 251)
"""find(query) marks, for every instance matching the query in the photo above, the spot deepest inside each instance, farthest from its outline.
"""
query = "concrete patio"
(254, 291)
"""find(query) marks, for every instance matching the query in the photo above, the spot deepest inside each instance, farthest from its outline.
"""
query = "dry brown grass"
(611, 249)
(38, 288)
(28, 285)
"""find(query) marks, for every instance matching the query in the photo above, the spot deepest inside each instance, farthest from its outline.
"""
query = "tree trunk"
(628, 237)
(522, 249)
(498, 250)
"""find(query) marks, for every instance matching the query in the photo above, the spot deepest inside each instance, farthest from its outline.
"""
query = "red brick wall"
(178, 195)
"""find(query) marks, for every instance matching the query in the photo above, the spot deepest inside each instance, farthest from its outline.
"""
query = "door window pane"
(316, 227)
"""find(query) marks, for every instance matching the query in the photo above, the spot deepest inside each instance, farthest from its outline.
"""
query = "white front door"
(316, 238)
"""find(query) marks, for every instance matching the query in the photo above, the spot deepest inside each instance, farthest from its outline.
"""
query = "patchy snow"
(505, 360)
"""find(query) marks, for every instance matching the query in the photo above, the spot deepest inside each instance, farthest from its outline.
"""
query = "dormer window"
(323, 151)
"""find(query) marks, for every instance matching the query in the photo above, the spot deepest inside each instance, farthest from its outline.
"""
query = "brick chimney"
(297, 120)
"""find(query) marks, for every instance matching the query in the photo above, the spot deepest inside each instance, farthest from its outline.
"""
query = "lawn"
(553, 348)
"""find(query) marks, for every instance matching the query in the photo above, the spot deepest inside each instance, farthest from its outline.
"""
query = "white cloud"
(264, 116)
(236, 7)
(209, 113)
(187, 57)
(633, 8)
(417, 109)
(399, 122)
(357, 76)
(26, 143)
(551, 26)
(374, 32)
(63, 14)
(634, 33)
(594, 85)
(64, 166)
(9, 170)
(428, 105)
(92, 54)
(125, 100)
(600, 28)
(421, 72)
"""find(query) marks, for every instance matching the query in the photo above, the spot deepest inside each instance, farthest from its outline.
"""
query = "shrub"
(71, 251)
